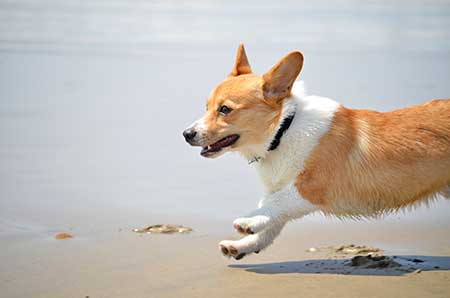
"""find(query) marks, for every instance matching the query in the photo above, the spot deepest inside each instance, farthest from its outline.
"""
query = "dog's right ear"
(241, 65)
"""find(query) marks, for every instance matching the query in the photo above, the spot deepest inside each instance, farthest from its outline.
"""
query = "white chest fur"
(312, 120)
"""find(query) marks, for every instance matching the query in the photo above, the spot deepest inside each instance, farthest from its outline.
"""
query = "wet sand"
(121, 263)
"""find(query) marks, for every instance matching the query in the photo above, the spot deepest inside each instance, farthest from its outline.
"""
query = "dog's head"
(243, 111)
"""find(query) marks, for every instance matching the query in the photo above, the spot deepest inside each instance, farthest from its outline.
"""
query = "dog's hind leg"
(445, 192)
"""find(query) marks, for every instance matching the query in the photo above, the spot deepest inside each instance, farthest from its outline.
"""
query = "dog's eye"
(225, 110)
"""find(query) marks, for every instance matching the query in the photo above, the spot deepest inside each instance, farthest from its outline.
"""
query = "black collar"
(283, 127)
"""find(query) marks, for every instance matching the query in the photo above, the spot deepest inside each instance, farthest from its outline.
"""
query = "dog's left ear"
(241, 65)
(279, 79)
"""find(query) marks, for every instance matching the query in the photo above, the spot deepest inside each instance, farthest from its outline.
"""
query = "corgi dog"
(313, 154)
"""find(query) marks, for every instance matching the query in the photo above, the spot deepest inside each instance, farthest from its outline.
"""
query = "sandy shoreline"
(120, 263)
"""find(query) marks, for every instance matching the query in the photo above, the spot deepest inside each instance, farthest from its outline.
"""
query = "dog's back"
(371, 162)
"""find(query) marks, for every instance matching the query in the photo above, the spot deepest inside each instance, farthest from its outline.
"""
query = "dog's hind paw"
(251, 225)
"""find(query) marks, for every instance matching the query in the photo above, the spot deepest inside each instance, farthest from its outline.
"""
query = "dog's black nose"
(189, 134)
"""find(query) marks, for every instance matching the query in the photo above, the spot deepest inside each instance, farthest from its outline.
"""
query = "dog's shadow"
(396, 266)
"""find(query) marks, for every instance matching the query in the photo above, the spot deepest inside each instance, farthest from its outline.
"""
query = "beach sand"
(121, 263)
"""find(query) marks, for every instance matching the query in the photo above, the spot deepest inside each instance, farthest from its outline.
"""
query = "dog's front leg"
(276, 208)
(264, 224)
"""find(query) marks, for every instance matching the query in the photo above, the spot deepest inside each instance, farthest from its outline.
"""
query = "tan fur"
(241, 65)
(255, 100)
(279, 79)
(252, 117)
(355, 163)
(367, 164)
(370, 162)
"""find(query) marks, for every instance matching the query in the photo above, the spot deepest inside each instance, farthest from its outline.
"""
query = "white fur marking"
(268, 220)
(312, 120)
(279, 169)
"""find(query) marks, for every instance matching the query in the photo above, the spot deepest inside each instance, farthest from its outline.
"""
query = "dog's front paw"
(251, 225)
(240, 248)
(229, 250)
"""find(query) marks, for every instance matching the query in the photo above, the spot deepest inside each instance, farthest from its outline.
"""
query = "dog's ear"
(241, 65)
(279, 79)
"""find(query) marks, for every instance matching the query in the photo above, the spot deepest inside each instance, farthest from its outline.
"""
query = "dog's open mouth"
(219, 145)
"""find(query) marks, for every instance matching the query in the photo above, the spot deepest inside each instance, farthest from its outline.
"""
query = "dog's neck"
(288, 112)
(283, 126)
(313, 118)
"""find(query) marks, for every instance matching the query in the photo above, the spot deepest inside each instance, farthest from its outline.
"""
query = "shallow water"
(94, 96)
